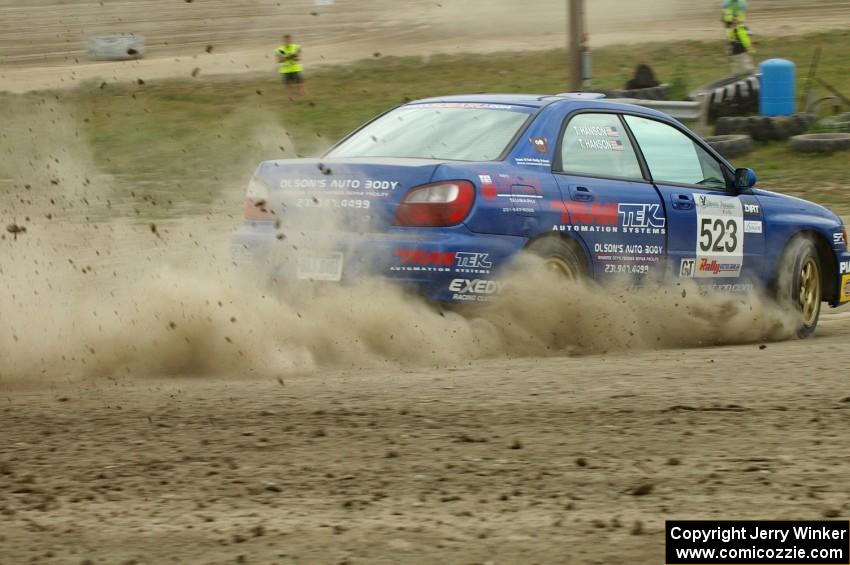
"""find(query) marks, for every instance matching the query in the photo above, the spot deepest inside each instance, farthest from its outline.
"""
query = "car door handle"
(682, 201)
(582, 194)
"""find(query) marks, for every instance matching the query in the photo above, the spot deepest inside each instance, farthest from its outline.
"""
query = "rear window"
(449, 131)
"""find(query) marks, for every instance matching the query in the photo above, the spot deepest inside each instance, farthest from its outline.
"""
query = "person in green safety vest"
(289, 61)
(738, 36)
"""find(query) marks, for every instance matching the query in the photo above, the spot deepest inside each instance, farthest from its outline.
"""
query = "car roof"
(577, 101)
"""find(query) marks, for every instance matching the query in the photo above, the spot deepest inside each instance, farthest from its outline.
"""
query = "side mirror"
(745, 178)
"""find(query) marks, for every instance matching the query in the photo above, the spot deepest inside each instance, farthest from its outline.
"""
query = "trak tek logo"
(713, 267)
(642, 215)
(587, 214)
(425, 258)
(466, 260)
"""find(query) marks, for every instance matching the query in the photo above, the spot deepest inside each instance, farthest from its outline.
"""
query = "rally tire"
(824, 143)
(560, 255)
(799, 284)
(732, 96)
(765, 128)
(843, 127)
(730, 146)
(730, 125)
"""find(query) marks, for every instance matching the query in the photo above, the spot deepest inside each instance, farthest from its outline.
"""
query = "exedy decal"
(475, 286)
(474, 290)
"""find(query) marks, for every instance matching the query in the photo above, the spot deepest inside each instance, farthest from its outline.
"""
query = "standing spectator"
(738, 35)
(289, 59)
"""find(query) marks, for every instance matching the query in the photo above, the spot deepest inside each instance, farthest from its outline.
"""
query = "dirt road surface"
(43, 42)
(486, 459)
(562, 460)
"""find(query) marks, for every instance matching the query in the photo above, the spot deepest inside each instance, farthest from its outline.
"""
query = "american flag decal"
(488, 189)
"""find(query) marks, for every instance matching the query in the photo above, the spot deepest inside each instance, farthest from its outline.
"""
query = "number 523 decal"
(718, 236)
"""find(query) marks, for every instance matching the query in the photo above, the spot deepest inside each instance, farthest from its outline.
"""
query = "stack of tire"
(834, 136)
(733, 95)
(731, 146)
(765, 128)
(824, 143)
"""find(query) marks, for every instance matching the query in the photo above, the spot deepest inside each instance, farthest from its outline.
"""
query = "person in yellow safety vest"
(289, 61)
(740, 42)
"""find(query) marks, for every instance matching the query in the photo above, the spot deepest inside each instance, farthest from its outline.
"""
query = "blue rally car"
(441, 193)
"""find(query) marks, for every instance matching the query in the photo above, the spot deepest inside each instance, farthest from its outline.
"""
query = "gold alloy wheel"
(561, 268)
(809, 290)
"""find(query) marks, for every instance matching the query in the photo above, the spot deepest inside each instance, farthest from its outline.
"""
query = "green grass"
(186, 140)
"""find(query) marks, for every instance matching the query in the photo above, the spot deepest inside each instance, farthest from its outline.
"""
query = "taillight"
(444, 203)
(257, 206)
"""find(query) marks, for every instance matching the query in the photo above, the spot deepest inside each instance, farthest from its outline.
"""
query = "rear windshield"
(448, 131)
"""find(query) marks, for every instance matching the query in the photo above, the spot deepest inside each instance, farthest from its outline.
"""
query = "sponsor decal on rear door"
(720, 236)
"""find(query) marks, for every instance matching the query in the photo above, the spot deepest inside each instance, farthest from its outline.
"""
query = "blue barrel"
(778, 88)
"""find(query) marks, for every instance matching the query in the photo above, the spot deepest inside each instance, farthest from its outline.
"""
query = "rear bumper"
(446, 264)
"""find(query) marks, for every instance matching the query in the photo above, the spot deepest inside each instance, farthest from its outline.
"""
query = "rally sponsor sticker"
(720, 236)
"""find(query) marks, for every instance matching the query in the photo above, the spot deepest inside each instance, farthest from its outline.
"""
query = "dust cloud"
(203, 319)
(112, 297)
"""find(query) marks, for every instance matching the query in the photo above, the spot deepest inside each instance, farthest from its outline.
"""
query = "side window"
(596, 145)
(674, 157)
